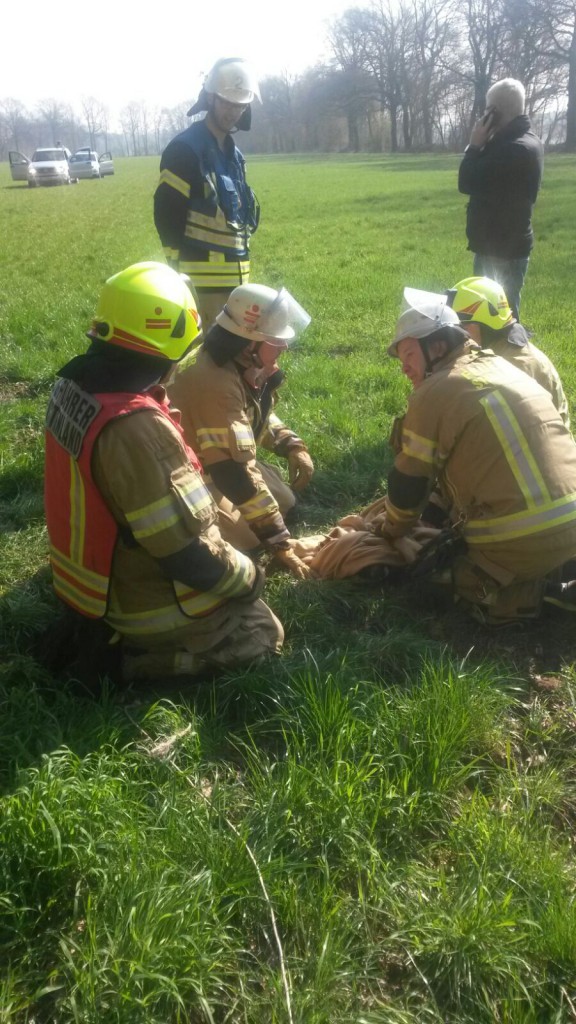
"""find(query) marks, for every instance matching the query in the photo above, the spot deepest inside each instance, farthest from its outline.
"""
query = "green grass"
(378, 827)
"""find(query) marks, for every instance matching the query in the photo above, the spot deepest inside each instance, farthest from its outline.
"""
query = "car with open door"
(48, 166)
(85, 163)
(18, 166)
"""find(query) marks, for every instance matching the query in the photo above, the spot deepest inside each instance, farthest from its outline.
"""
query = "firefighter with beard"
(204, 210)
(226, 400)
(491, 440)
(133, 529)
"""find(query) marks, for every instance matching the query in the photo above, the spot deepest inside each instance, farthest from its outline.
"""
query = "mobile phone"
(488, 117)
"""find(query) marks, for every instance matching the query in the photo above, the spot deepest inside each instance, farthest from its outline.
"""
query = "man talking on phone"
(501, 172)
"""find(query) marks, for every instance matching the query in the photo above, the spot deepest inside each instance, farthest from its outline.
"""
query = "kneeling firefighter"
(491, 441)
(133, 529)
(226, 399)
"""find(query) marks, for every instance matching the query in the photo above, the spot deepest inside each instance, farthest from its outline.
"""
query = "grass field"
(378, 828)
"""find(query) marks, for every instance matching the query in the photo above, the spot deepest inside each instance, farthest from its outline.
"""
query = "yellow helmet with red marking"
(480, 300)
(149, 310)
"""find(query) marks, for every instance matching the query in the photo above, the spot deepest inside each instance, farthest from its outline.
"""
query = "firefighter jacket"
(515, 346)
(204, 210)
(501, 457)
(502, 179)
(224, 419)
(125, 500)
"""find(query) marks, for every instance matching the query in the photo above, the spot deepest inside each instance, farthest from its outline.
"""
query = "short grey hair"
(508, 97)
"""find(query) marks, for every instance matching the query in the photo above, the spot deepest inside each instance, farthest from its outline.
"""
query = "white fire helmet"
(232, 79)
(422, 314)
(259, 313)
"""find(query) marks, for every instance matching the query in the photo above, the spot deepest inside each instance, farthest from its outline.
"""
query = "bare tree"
(481, 53)
(558, 21)
(15, 120)
(130, 120)
(94, 114)
(54, 115)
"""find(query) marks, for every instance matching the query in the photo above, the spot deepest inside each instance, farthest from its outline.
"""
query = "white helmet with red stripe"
(259, 313)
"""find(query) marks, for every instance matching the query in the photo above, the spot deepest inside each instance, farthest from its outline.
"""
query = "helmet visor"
(423, 301)
(284, 321)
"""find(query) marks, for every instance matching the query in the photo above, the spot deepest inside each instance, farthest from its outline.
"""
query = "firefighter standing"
(226, 399)
(491, 440)
(132, 527)
(204, 210)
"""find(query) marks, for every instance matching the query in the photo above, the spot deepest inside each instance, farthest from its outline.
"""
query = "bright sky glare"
(120, 51)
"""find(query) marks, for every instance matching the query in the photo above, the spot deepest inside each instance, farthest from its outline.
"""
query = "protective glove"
(290, 561)
(300, 468)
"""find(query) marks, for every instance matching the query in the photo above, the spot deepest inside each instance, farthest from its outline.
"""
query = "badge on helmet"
(259, 313)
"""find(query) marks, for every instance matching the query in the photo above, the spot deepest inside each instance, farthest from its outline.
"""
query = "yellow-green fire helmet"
(479, 300)
(147, 309)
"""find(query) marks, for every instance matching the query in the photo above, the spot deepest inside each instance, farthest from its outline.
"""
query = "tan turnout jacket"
(141, 468)
(533, 361)
(502, 459)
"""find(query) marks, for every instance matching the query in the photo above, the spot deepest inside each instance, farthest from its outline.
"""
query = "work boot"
(562, 595)
(144, 665)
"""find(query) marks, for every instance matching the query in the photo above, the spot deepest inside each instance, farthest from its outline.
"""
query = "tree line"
(409, 75)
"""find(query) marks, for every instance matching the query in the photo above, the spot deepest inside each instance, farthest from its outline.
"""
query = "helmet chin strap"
(428, 362)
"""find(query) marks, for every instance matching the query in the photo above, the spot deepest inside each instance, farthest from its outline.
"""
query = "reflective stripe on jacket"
(494, 443)
(220, 220)
(83, 533)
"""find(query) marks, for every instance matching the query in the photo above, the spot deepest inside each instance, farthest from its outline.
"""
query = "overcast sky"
(120, 50)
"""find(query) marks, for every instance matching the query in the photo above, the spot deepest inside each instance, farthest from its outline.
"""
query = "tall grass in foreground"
(376, 828)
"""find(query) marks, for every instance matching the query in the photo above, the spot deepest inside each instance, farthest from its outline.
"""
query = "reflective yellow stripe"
(399, 515)
(85, 576)
(522, 524)
(275, 423)
(212, 437)
(261, 503)
(168, 617)
(77, 598)
(154, 518)
(78, 585)
(215, 231)
(243, 436)
(414, 446)
(240, 578)
(162, 514)
(516, 450)
(169, 178)
(196, 497)
(77, 513)
(209, 274)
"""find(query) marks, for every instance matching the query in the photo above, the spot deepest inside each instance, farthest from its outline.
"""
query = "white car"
(87, 164)
(47, 167)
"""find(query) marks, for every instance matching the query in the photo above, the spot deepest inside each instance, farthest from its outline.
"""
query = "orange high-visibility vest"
(82, 531)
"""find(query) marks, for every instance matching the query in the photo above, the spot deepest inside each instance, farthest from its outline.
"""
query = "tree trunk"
(571, 107)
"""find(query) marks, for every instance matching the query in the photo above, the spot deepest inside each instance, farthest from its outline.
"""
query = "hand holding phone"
(484, 128)
(488, 119)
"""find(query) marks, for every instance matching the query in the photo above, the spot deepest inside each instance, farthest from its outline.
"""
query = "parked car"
(85, 163)
(47, 167)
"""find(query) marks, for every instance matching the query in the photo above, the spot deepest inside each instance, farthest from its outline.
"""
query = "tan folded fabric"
(351, 546)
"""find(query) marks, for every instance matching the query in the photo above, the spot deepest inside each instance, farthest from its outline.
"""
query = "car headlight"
(31, 170)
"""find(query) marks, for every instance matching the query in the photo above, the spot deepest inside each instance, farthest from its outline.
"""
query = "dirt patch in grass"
(536, 648)
(15, 390)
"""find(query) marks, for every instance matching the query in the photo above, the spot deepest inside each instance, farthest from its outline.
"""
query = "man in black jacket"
(501, 172)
